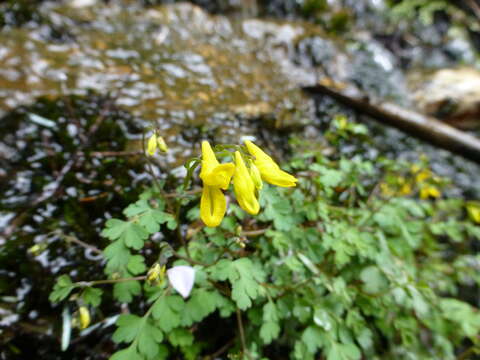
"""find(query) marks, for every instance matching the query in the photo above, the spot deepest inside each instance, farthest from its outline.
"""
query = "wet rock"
(452, 95)
(176, 65)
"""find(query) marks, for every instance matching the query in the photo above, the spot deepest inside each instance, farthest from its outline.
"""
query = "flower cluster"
(248, 172)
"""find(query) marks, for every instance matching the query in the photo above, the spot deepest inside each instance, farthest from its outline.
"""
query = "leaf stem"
(109, 281)
(242, 334)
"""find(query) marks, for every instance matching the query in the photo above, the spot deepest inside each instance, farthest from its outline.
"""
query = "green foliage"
(62, 289)
(350, 264)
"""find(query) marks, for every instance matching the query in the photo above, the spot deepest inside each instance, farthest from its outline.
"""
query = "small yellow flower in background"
(386, 190)
(406, 189)
(268, 168)
(162, 145)
(245, 187)
(422, 176)
(342, 122)
(84, 316)
(156, 142)
(473, 210)
(428, 191)
(152, 145)
(215, 177)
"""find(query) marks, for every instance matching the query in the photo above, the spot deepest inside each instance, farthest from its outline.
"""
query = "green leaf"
(125, 291)
(461, 313)
(374, 280)
(126, 354)
(328, 177)
(92, 296)
(180, 337)
(244, 282)
(322, 318)
(61, 289)
(339, 351)
(117, 255)
(130, 233)
(201, 304)
(136, 265)
(221, 270)
(149, 339)
(129, 327)
(278, 209)
(150, 218)
(167, 310)
(269, 331)
(313, 337)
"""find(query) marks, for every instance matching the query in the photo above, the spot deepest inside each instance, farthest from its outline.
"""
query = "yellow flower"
(152, 145)
(244, 187)
(256, 177)
(213, 206)
(429, 191)
(84, 316)
(406, 189)
(215, 176)
(473, 210)
(213, 173)
(162, 145)
(156, 273)
(422, 176)
(269, 170)
(155, 142)
(386, 190)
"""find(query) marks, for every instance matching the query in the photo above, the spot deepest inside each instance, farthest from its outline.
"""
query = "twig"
(475, 8)
(221, 350)
(73, 239)
(52, 189)
(418, 125)
(254, 232)
(185, 193)
(101, 154)
(188, 259)
(467, 353)
(109, 281)
(242, 334)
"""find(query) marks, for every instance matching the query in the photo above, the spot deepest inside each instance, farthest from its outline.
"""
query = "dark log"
(413, 123)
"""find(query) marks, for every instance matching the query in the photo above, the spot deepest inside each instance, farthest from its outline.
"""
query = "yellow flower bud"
(162, 145)
(422, 176)
(473, 210)
(152, 145)
(156, 273)
(429, 191)
(256, 177)
(84, 317)
(406, 189)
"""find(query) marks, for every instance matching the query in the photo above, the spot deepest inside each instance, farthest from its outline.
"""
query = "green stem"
(109, 281)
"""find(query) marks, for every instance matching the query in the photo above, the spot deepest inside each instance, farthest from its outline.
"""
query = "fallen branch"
(413, 123)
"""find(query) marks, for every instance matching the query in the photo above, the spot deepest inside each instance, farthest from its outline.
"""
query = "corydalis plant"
(247, 181)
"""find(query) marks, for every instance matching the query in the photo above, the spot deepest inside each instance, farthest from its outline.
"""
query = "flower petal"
(182, 278)
(152, 145)
(268, 168)
(244, 187)
(219, 176)
(213, 206)
(209, 161)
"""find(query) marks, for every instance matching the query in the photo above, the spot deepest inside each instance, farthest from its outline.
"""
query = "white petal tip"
(182, 278)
